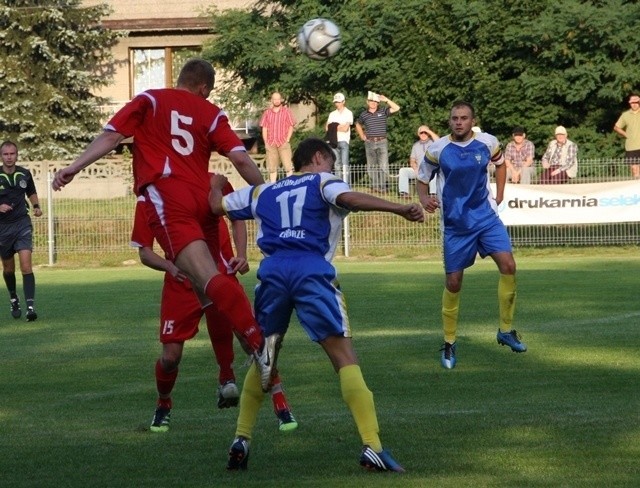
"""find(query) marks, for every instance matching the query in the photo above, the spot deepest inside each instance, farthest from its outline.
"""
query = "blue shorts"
(460, 250)
(307, 284)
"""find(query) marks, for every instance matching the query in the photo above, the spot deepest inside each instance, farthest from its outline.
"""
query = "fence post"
(51, 236)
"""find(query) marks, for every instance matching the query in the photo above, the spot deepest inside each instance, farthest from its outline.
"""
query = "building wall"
(168, 23)
(166, 9)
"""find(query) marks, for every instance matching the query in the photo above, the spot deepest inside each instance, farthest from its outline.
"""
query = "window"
(158, 67)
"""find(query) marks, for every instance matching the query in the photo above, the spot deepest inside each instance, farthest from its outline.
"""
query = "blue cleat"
(379, 461)
(448, 357)
(238, 454)
(511, 339)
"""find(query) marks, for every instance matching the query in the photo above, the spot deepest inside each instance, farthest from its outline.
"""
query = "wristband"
(36, 205)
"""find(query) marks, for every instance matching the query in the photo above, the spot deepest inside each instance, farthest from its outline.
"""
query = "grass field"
(77, 390)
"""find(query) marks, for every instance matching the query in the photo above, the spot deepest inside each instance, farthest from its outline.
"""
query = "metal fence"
(96, 227)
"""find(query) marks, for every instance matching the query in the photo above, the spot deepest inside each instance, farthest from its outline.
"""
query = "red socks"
(232, 303)
(164, 383)
(221, 335)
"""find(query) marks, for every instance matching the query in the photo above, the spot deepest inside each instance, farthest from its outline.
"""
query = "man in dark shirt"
(372, 129)
(16, 231)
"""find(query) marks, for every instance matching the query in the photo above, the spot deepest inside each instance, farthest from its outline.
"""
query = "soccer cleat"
(286, 421)
(31, 314)
(238, 454)
(511, 339)
(266, 359)
(161, 418)
(15, 308)
(448, 357)
(379, 461)
(228, 395)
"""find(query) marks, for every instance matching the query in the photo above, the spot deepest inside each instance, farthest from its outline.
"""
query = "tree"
(53, 53)
(537, 64)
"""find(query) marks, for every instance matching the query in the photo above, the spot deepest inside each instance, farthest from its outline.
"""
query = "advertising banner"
(571, 203)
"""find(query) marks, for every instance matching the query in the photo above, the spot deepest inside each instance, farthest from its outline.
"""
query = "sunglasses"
(423, 132)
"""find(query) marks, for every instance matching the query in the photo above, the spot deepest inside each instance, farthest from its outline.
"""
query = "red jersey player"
(180, 314)
(174, 132)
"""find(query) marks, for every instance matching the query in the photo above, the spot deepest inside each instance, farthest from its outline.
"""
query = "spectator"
(628, 126)
(560, 160)
(343, 117)
(518, 157)
(277, 124)
(372, 129)
(425, 138)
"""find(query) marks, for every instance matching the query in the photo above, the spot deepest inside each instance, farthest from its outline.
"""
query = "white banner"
(571, 204)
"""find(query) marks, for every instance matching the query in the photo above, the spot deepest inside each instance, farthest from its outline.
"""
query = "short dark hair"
(8, 143)
(462, 103)
(307, 148)
(195, 72)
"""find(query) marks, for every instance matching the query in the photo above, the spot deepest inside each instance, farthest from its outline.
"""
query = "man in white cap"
(628, 126)
(560, 160)
(372, 129)
(343, 118)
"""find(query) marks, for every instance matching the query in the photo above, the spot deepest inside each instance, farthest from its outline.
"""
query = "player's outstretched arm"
(239, 232)
(357, 201)
(217, 183)
(428, 202)
(99, 147)
(246, 167)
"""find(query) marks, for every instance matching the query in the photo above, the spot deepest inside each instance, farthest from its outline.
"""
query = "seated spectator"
(425, 138)
(518, 156)
(560, 160)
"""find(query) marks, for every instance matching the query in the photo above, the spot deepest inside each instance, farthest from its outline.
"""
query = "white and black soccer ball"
(319, 39)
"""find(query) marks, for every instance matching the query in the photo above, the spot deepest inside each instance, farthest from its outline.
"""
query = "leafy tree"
(53, 53)
(537, 64)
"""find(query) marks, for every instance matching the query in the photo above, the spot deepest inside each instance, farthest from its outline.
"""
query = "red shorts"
(179, 214)
(180, 311)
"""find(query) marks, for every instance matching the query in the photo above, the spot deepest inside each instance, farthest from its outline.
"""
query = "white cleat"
(266, 359)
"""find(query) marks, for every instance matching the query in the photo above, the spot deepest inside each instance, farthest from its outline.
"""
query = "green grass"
(77, 389)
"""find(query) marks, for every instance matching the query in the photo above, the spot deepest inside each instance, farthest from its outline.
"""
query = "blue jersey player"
(470, 221)
(299, 221)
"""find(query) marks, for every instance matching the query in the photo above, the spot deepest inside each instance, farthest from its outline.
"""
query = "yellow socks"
(250, 402)
(507, 301)
(360, 401)
(450, 307)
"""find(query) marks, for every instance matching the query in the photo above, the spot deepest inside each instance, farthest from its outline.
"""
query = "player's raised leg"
(228, 296)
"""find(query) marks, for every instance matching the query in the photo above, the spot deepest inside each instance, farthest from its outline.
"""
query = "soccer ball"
(319, 39)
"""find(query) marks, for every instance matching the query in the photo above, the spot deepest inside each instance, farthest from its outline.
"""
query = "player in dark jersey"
(16, 229)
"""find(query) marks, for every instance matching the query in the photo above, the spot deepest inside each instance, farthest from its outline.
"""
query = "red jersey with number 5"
(174, 133)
